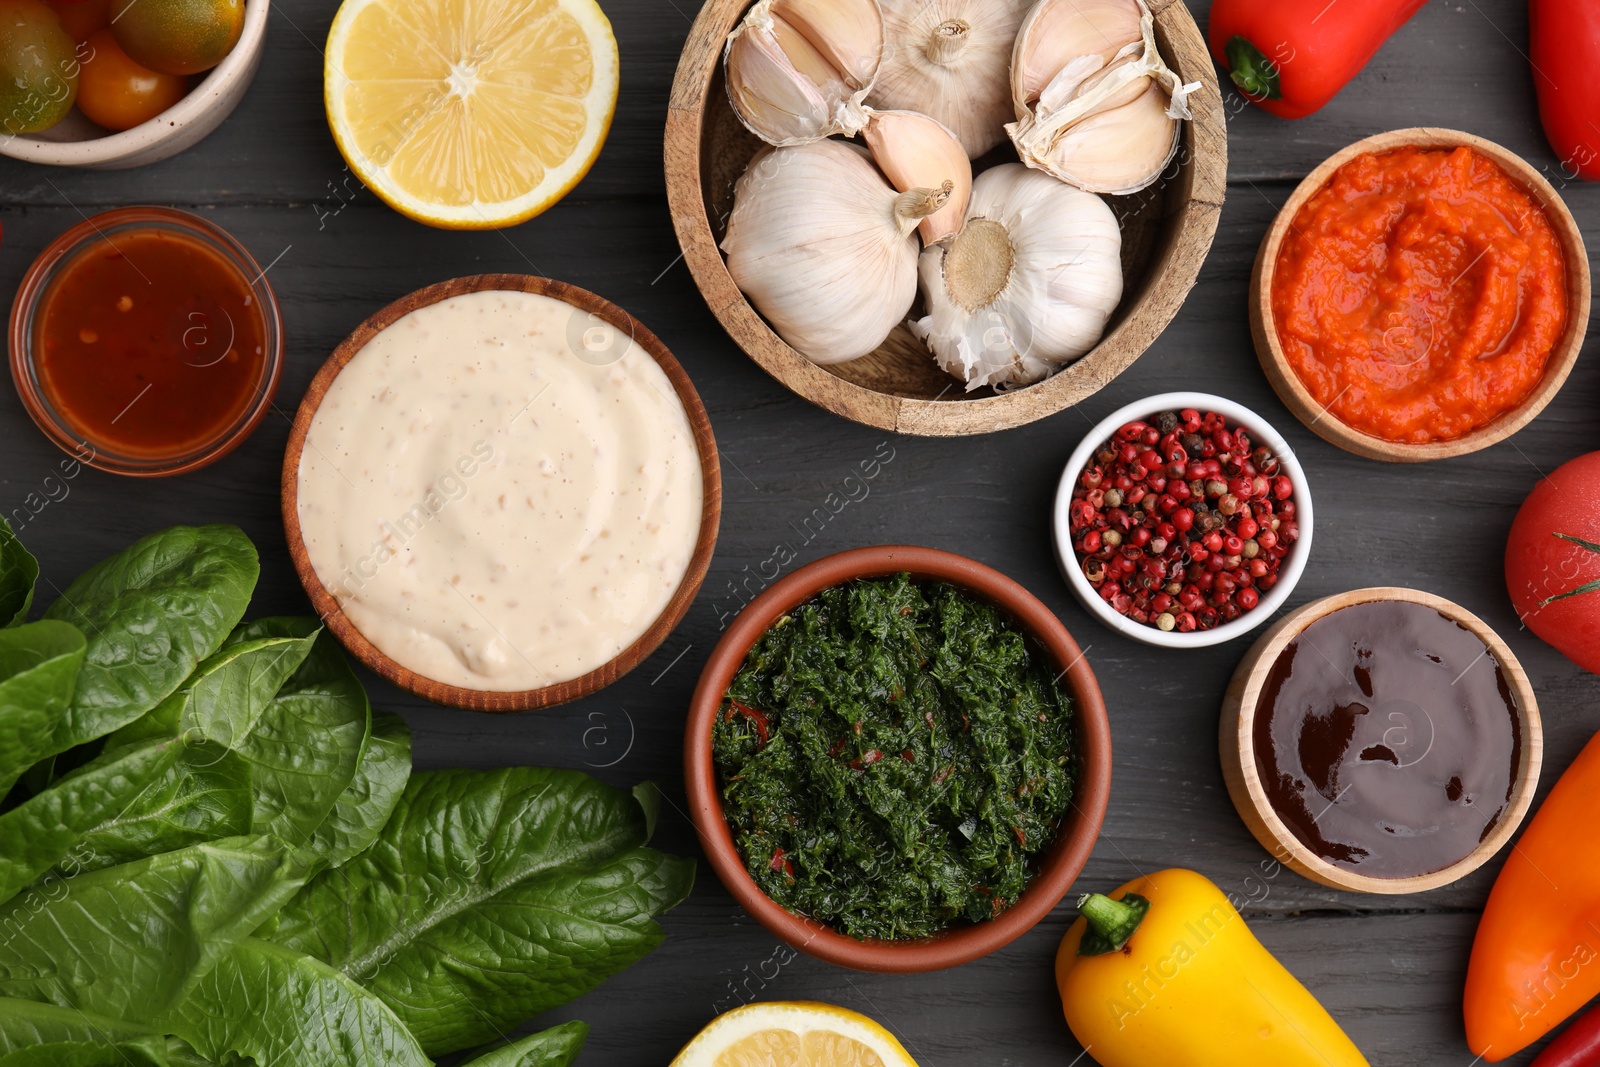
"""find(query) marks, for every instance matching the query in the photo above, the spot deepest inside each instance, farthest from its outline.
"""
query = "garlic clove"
(1117, 150)
(1097, 107)
(915, 151)
(849, 33)
(951, 60)
(799, 70)
(1056, 32)
(770, 97)
(807, 59)
(823, 247)
(1026, 286)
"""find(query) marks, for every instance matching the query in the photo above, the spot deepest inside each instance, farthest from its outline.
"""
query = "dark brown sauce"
(150, 344)
(1387, 739)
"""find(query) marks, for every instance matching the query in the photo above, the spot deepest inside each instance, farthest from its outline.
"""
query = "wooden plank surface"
(1389, 969)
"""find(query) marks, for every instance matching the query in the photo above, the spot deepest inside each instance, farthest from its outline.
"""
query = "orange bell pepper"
(1536, 958)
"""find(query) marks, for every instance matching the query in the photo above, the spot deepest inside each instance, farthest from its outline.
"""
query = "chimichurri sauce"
(892, 755)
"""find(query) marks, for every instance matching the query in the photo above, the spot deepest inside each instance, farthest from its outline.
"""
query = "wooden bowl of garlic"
(945, 219)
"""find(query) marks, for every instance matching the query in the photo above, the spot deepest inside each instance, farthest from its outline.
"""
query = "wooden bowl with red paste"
(1424, 293)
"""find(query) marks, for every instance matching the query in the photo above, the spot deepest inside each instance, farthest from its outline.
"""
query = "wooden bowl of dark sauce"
(1382, 740)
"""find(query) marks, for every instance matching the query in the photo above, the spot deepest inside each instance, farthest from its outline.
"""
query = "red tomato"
(119, 94)
(1553, 561)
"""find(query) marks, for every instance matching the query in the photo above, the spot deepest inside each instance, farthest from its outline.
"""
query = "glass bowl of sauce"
(1382, 740)
(146, 341)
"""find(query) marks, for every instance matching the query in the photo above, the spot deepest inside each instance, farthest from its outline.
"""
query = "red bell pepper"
(1578, 1045)
(1564, 39)
(1292, 56)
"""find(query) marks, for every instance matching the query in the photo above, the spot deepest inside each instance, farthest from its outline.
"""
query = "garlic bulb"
(823, 247)
(1096, 106)
(799, 70)
(1027, 285)
(914, 151)
(951, 60)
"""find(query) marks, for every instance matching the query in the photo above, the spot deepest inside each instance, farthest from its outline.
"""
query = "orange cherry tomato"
(81, 18)
(119, 94)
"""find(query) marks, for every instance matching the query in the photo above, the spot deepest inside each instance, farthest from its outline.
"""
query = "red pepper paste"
(1419, 293)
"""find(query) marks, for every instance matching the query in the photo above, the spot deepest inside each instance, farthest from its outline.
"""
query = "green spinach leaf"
(38, 833)
(305, 742)
(139, 1052)
(25, 1023)
(129, 942)
(544, 867)
(150, 614)
(555, 1047)
(274, 727)
(317, 1016)
(362, 810)
(28, 1023)
(19, 572)
(228, 780)
(202, 796)
(38, 665)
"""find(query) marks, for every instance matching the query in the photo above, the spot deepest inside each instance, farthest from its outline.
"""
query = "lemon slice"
(470, 114)
(793, 1033)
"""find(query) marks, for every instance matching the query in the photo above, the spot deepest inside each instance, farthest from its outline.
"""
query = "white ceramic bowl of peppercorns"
(1183, 520)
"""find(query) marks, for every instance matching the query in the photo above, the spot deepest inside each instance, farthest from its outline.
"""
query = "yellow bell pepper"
(1168, 973)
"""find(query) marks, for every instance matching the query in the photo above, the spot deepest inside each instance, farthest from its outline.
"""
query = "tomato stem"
(1587, 587)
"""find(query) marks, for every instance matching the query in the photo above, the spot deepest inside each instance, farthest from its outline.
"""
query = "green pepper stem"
(1111, 922)
(1254, 74)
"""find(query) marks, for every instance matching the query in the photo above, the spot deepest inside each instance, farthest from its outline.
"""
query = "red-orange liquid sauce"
(150, 344)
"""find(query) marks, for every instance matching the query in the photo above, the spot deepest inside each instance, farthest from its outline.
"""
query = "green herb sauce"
(892, 754)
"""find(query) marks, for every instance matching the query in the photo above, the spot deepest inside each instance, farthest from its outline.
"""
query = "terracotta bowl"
(1166, 231)
(1323, 423)
(77, 142)
(1237, 748)
(327, 606)
(1059, 866)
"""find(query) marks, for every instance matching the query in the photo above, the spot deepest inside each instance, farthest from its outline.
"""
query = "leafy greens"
(214, 854)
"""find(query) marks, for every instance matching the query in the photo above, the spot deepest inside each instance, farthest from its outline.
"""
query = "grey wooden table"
(1390, 969)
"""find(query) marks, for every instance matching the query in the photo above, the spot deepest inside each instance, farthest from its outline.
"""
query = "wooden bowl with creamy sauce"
(537, 479)
(1401, 744)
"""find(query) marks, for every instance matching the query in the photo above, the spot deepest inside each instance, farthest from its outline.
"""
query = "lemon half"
(470, 114)
(793, 1033)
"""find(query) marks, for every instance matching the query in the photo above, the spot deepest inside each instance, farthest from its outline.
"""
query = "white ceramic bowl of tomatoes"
(109, 84)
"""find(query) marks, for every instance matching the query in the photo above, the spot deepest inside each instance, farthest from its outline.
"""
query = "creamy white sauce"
(501, 490)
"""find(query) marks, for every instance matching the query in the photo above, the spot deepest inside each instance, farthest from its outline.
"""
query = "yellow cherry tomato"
(177, 36)
(38, 67)
(119, 94)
